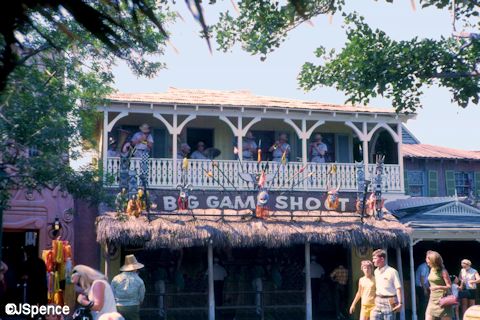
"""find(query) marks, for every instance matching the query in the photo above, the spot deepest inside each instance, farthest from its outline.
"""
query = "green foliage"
(262, 25)
(125, 29)
(62, 71)
(372, 64)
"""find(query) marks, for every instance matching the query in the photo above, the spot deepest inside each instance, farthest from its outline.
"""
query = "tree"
(53, 72)
(371, 63)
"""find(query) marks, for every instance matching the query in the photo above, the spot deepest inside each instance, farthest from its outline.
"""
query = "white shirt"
(466, 276)
(109, 304)
(219, 272)
(316, 270)
(387, 281)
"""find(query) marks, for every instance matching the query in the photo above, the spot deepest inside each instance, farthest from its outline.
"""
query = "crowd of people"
(141, 143)
(430, 287)
(440, 295)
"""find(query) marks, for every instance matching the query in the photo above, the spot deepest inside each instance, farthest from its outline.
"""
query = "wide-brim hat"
(131, 264)
(144, 127)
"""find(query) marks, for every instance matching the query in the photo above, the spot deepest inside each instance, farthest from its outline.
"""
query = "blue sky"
(439, 122)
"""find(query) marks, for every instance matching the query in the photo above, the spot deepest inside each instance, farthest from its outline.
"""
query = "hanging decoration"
(360, 175)
(58, 261)
(377, 186)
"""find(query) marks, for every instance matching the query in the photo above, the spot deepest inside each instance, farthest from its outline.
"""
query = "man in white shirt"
(316, 275)
(389, 289)
(219, 275)
(422, 288)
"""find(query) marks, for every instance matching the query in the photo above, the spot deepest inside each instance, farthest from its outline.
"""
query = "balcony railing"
(228, 174)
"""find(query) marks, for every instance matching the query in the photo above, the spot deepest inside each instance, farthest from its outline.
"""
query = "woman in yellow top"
(366, 291)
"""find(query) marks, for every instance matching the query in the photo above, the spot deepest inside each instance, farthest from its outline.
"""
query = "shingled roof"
(237, 98)
(437, 152)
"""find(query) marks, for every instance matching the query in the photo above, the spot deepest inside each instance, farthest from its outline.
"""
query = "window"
(416, 183)
(463, 183)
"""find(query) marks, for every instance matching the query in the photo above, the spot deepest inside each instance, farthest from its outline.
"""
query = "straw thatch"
(279, 231)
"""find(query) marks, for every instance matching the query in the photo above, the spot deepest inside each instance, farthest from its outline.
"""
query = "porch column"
(240, 135)
(105, 142)
(304, 138)
(175, 148)
(412, 281)
(365, 148)
(107, 261)
(400, 272)
(308, 283)
(400, 156)
(211, 293)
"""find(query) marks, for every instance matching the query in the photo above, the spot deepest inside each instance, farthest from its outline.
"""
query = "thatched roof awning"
(183, 231)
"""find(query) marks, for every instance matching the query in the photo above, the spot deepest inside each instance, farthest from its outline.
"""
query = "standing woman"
(97, 294)
(469, 278)
(439, 285)
(366, 291)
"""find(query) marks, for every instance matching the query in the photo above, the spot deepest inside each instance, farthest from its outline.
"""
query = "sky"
(439, 122)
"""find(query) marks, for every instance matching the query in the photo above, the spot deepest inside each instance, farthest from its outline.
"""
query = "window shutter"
(477, 183)
(432, 183)
(405, 181)
(450, 182)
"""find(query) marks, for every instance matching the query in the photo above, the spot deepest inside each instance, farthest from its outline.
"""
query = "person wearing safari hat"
(129, 289)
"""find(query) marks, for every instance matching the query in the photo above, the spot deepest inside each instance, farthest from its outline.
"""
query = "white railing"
(231, 175)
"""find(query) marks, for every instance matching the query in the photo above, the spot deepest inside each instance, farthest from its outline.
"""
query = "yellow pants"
(366, 310)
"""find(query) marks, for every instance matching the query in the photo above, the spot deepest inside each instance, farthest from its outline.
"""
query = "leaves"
(372, 64)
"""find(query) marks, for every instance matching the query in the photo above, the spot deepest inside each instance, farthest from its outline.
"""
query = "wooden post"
(400, 272)
(240, 138)
(175, 134)
(211, 294)
(400, 156)
(107, 261)
(308, 283)
(412, 282)
(105, 143)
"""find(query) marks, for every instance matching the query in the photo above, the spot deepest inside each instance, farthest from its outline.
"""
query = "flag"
(333, 169)
(284, 157)
(262, 180)
(185, 163)
(302, 169)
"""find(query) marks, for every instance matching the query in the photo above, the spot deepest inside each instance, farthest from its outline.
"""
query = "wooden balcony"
(227, 174)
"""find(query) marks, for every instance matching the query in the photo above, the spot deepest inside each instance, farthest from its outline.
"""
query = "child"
(366, 291)
(455, 289)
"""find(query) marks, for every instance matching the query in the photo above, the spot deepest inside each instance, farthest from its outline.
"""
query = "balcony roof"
(437, 152)
(238, 98)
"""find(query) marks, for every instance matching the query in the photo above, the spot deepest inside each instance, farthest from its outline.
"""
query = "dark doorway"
(267, 139)
(195, 135)
(452, 253)
(13, 244)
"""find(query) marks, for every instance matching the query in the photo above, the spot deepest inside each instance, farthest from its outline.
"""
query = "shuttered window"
(450, 182)
(463, 183)
(416, 183)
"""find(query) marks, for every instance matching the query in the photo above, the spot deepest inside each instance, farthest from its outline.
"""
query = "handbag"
(449, 300)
